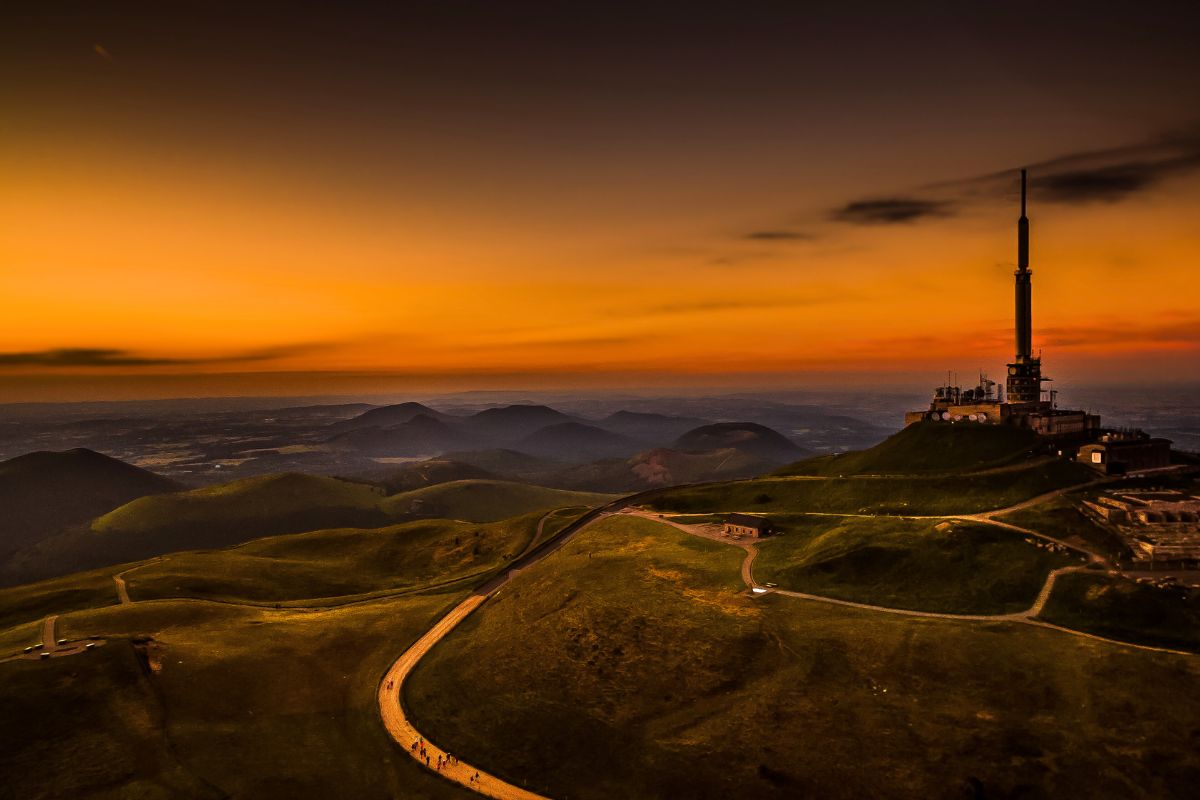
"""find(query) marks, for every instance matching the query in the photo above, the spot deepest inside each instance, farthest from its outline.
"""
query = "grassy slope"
(1061, 518)
(891, 495)
(486, 500)
(271, 505)
(266, 505)
(73, 729)
(335, 563)
(628, 664)
(43, 492)
(963, 568)
(245, 701)
(928, 447)
(58, 595)
(1126, 610)
(242, 702)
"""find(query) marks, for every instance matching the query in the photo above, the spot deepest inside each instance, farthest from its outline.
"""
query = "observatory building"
(1023, 401)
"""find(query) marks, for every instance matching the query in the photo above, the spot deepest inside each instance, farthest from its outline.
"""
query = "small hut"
(739, 525)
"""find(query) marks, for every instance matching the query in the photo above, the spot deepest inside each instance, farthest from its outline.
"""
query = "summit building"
(1023, 401)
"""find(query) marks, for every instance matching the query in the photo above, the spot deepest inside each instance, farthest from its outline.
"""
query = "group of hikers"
(418, 747)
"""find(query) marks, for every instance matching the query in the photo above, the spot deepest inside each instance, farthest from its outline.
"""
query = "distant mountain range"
(78, 509)
(623, 451)
(206, 442)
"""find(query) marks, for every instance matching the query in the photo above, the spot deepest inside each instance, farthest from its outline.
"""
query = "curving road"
(400, 727)
(391, 708)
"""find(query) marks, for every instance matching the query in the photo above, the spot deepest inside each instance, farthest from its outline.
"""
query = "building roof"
(748, 521)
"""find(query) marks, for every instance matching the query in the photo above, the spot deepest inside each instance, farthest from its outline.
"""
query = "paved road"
(391, 688)
(400, 728)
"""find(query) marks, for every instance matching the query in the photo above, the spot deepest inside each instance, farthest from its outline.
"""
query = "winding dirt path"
(123, 590)
(391, 708)
(1027, 617)
(49, 642)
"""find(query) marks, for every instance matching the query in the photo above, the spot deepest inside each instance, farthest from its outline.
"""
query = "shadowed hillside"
(263, 688)
(484, 500)
(419, 436)
(509, 423)
(271, 505)
(660, 467)
(575, 442)
(929, 447)
(43, 493)
(403, 478)
(747, 437)
(653, 428)
(387, 416)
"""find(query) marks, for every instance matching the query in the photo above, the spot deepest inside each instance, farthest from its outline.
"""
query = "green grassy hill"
(341, 565)
(1061, 518)
(34, 601)
(209, 700)
(244, 672)
(939, 495)
(929, 447)
(271, 505)
(94, 730)
(485, 500)
(630, 664)
(1120, 608)
(956, 567)
(422, 473)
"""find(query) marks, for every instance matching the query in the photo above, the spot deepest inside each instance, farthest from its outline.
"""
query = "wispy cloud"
(1110, 183)
(81, 357)
(714, 306)
(109, 357)
(891, 210)
(778, 236)
(1090, 176)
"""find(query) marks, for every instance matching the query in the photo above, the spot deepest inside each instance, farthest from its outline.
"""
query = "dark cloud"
(80, 357)
(890, 210)
(1091, 176)
(778, 236)
(1110, 183)
(106, 357)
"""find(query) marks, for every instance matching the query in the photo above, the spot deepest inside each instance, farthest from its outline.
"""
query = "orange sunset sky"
(307, 201)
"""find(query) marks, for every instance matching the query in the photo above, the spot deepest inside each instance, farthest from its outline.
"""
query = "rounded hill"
(746, 437)
(43, 492)
(485, 500)
(930, 447)
(574, 441)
